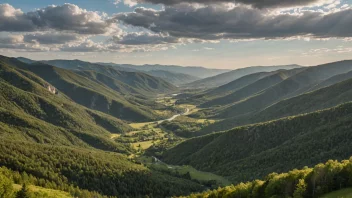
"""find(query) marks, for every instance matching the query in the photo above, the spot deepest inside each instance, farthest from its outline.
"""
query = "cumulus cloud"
(216, 22)
(254, 3)
(144, 38)
(67, 17)
(52, 38)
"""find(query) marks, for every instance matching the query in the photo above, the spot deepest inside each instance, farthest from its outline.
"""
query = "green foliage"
(312, 101)
(261, 84)
(250, 152)
(107, 173)
(24, 192)
(183, 127)
(6, 189)
(308, 182)
(116, 77)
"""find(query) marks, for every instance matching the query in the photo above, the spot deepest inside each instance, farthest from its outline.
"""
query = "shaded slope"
(333, 80)
(250, 152)
(173, 78)
(110, 82)
(31, 112)
(143, 82)
(223, 90)
(199, 72)
(88, 93)
(312, 101)
(227, 77)
(251, 89)
(290, 87)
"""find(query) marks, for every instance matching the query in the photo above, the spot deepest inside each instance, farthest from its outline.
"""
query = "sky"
(225, 34)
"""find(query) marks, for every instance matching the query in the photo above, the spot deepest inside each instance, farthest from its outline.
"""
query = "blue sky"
(184, 47)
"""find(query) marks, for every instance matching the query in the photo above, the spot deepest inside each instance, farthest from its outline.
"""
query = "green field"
(195, 174)
(344, 193)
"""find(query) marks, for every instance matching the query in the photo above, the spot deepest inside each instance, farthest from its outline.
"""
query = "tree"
(301, 188)
(6, 189)
(24, 192)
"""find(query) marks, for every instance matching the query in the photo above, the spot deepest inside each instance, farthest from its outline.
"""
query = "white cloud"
(67, 17)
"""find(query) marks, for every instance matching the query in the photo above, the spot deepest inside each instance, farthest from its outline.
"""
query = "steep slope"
(333, 80)
(312, 101)
(199, 72)
(253, 88)
(87, 92)
(30, 112)
(251, 152)
(223, 90)
(173, 78)
(107, 173)
(145, 83)
(112, 83)
(290, 87)
(227, 77)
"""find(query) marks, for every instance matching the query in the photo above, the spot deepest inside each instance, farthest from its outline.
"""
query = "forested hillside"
(172, 77)
(199, 72)
(253, 88)
(48, 140)
(145, 83)
(251, 152)
(106, 173)
(86, 92)
(312, 101)
(306, 182)
(293, 86)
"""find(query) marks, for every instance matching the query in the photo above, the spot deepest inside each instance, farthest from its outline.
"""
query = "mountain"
(173, 78)
(312, 101)
(145, 83)
(251, 152)
(199, 72)
(48, 140)
(42, 115)
(88, 93)
(333, 80)
(26, 60)
(290, 87)
(222, 79)
(223, 90)
(271, 79)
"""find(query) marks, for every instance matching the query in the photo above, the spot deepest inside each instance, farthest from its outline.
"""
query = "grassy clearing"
(44, 192)
(344, 193)
(194, 173)
(144, 145)
(140, 125)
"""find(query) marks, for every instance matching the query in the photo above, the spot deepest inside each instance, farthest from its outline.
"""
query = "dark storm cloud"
(220, 22)
(254, 3)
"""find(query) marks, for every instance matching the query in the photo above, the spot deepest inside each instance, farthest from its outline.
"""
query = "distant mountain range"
(224, 78)
(199, 72)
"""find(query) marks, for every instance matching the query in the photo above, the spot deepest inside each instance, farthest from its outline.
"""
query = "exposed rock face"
(52, 89)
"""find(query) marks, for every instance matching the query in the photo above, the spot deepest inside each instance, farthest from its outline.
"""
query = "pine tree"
(24, 192)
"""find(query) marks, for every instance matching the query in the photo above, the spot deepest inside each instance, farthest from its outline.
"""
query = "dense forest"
(304, 183)
(253, 151)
